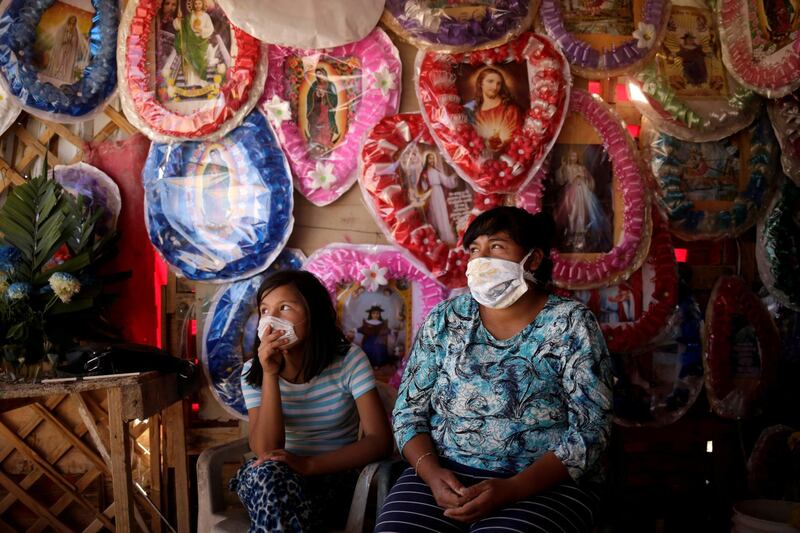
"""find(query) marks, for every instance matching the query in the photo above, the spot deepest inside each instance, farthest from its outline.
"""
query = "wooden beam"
(176, 446)
(119, 440)
(33, 505)
(64, 501)
(120, 120)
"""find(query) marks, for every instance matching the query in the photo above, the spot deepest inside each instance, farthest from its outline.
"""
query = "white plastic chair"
(213, 517)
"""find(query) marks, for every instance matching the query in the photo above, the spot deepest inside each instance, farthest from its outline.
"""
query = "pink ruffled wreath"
(325, 179)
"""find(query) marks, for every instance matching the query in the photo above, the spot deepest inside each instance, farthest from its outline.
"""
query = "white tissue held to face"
(278, 324)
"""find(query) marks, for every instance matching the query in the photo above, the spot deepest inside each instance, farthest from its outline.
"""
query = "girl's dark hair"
(527, 230)
(324, 341)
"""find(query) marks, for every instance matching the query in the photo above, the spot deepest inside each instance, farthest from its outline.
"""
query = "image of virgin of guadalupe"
(322, 103)
(493, 112)
(69, 54)
(782, 18)
(375, 333)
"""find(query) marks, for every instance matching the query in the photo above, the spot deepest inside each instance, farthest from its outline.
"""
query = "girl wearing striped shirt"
(306, 390)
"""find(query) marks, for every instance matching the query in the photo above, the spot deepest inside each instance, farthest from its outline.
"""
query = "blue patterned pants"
(278, 499)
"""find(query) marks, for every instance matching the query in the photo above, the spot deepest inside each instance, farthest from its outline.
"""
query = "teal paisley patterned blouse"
(501, 404)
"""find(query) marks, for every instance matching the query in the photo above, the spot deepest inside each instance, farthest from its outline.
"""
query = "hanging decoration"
(656, 385)
(785, 117)
(321, 104)
(713, 190)
(596, 192)
(381, 299)
(761, 44)
(740, 349)
(229, 334)
(9, 110)
(305, 23)
(219, 211)
(61, 69)
(185, 72)
(637, 310)
(778, 246)
(634, 37)
(498, 149)
(416, 198)
(687, 92)
(458, 26)
(96, 188)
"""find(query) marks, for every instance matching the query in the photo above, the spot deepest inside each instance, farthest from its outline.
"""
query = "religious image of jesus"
(495, 115)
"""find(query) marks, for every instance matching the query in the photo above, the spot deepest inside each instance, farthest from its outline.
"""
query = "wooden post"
(121, 462)
(176, 452)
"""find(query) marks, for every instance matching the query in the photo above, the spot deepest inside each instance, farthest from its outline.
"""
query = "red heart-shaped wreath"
(496, 113)
(417, 199)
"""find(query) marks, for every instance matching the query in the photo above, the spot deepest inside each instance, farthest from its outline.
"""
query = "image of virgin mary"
(322, 103)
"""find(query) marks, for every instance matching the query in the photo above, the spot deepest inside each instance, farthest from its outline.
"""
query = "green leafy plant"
(47, 274)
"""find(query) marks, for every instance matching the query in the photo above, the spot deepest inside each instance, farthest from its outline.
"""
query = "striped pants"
(410, 507)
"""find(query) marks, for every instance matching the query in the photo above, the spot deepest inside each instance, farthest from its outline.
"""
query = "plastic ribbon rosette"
(185, 72)
(785, 117)
(458, 26)
(605, 39)
(761, 44)
(596, 192)
(57, 59)
(687, 91)
(778, 246)
(230, 330)
(417, 198)
(321, 103)
(381, 299)
(97, 190)
(741, 348)
(9, 110)
(219, 211)
(305, 23)
(712, 190)
(495, 113)
(657, 384)
(634, 312)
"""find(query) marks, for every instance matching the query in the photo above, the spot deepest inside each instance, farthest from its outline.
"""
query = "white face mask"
(278, 324)
(497, 283)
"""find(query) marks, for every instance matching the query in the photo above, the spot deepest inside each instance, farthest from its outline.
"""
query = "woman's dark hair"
(324, 341)
(527, 230)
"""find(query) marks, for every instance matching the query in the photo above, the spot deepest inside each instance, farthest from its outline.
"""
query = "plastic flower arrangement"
(50, 293)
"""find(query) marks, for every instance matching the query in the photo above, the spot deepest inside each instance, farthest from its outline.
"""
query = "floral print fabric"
(501, 404)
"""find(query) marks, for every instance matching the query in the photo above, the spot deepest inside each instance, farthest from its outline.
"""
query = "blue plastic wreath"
(230, 333)
(219, 211)
(73, 101)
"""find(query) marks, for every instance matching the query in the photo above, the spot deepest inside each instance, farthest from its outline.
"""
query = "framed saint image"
(324, 94)
(711, 172)
(194, 50)
(496, 99)
(378, 321)
(623, 303)
(690, 59)
(61, 48)
(778, 20)
(609, 17)
(435, 192)
(580, 196)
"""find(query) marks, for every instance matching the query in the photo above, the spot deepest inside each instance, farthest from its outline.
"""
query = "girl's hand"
(270, 351)
(483, 498)
(299, 463)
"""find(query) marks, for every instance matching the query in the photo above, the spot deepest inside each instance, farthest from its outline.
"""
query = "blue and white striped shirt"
(320, 416)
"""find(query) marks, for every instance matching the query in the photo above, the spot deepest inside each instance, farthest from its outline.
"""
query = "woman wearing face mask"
(505, 404)
(305, 391)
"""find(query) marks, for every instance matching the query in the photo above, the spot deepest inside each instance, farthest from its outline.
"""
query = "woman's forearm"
(546, 472)
(420, 453)
(267, 431)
